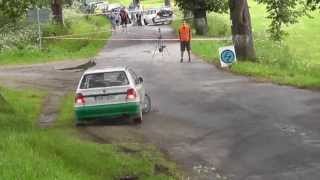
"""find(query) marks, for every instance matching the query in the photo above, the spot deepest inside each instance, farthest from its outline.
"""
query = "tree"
(56, 7)
(11, 11)
(313, 4)
(241, 29)
(283, 12)
(136, 2)
(167, 3)
(199, 8)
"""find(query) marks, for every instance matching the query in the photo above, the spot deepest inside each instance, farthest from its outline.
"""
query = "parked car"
(101, 8)
(115, 7)
(158, 16)
(91, 6)
(111, 93)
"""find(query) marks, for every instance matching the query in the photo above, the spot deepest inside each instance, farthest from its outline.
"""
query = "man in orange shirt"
(185, 38)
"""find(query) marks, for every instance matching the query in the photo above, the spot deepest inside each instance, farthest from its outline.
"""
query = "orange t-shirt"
(185, 33)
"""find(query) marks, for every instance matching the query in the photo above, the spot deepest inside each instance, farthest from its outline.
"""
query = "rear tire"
(146, 104)
(80, 123)
(138, 120)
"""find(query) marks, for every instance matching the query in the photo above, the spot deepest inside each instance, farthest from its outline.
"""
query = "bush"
(218, 25)
(18, 36)
(59, 49)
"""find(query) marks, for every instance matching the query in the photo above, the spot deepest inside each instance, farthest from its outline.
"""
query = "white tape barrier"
(146, 39)
(109, 13)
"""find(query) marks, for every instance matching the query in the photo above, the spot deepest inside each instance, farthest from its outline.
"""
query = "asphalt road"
(217, 125)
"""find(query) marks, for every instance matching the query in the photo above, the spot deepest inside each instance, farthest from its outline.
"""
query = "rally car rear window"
(107, 79)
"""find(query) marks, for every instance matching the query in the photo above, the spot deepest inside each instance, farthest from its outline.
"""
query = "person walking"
(124, 19)
(118, 19)
(113, 21)
(185, 36)
(139, 18)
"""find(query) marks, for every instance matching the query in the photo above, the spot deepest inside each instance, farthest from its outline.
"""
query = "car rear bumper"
(162, 20)
(107, 111)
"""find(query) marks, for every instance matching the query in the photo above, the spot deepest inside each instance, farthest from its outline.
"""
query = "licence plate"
(100, 99)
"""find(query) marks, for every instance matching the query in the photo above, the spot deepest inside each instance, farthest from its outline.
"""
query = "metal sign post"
(39, 29)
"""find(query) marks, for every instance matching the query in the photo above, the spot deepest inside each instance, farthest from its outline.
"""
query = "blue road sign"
(228, 56)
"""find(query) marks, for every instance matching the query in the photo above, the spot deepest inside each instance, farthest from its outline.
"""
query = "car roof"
(105, 69)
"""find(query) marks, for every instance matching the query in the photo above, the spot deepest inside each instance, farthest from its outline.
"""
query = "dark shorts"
(124, 23)
(185, 45)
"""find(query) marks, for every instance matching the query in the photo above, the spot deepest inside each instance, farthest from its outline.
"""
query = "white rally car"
(111, 93)
(158, 16)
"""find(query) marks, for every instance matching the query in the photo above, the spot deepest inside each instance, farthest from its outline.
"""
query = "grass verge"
(57, 153)
(54, 50)
(293, 62)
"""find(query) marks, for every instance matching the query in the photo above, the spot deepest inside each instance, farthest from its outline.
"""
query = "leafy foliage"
(314, 4)
(17, 36)
(219, 6)
(15, 9)
(283, 12)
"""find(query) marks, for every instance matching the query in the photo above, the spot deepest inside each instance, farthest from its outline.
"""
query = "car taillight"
(131, 94)
(158, 14)
(80, 99)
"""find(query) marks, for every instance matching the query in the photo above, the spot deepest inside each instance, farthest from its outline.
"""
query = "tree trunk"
(167, 3)
(241, 29)
(56, 8)
(136, 2)
(200, 21)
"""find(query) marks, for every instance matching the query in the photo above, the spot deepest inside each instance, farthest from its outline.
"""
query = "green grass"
(295, 62)
(28, 152)
(5, 108)
(63, 49)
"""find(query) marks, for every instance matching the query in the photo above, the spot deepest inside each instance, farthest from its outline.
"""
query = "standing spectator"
(124, 19)
(139, 19)
(118, 18)
(185, 38)
(113, 21)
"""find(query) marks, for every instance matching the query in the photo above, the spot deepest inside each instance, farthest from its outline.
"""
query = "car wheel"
(138, 120)
(80, 123)
(146, 106)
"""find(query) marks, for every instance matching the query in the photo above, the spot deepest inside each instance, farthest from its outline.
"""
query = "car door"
(139, 85)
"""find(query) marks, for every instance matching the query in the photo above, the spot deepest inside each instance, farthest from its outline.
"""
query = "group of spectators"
(122, 18)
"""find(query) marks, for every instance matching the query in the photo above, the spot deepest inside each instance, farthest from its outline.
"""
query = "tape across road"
(145, 37)
(133, 39)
